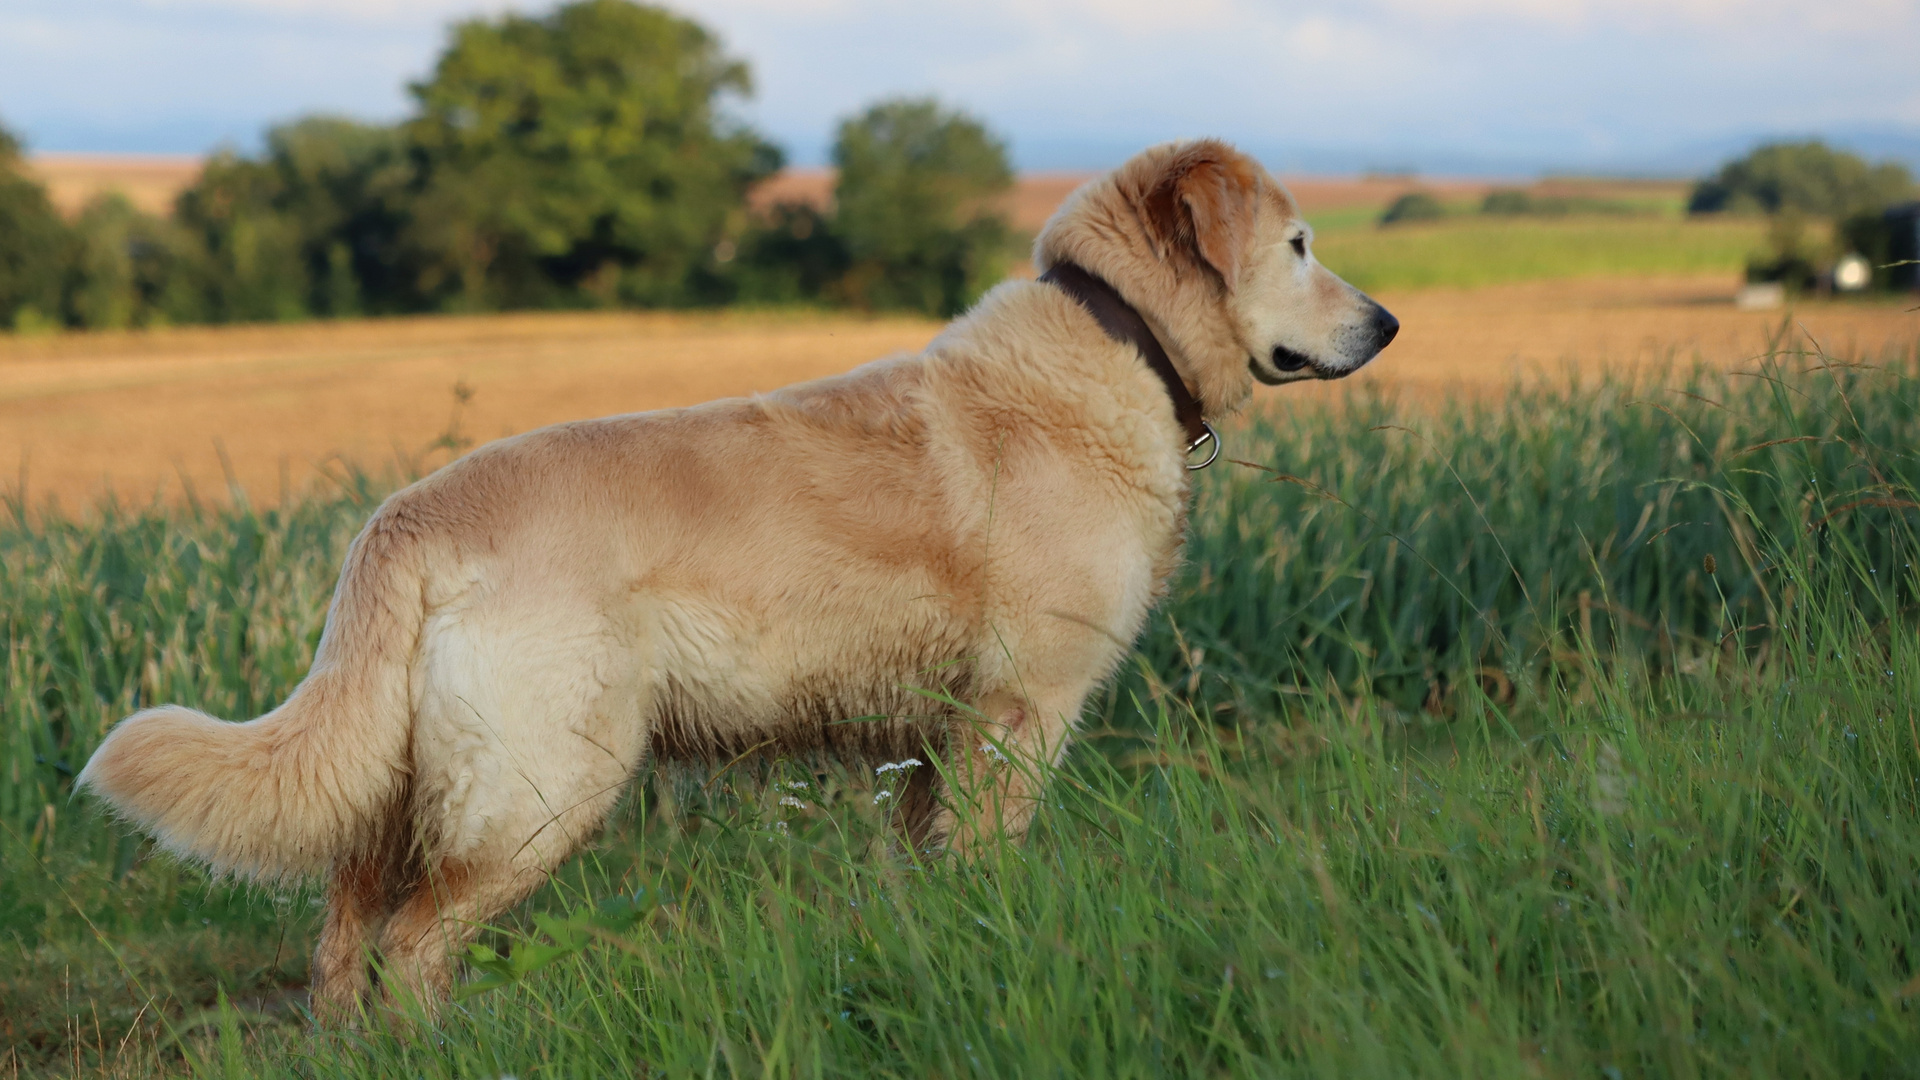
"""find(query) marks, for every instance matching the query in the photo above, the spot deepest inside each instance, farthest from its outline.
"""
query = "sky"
(1486, 87)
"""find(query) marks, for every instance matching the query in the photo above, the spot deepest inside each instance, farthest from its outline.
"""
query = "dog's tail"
(285, 795)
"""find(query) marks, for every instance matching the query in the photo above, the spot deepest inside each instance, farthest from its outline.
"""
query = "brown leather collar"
(1124, 324)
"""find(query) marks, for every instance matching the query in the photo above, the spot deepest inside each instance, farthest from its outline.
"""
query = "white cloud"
(1143, 17)
(1318, 37)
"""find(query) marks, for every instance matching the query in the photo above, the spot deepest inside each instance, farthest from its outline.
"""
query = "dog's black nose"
(1384, 327)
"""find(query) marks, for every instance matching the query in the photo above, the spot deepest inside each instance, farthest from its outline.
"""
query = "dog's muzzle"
(1356, 345)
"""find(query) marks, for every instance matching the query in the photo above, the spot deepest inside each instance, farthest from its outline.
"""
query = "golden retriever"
(513, 636)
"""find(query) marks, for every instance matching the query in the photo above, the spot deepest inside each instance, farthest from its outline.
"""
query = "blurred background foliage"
(1820, 206)
(915, 206)
(1822, 203)
(32, 242)
(583, 158)
(1809, 177)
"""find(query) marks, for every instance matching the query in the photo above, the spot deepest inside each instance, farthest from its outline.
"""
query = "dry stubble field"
(146, 414)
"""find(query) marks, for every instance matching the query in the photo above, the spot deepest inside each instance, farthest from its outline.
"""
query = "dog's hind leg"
(356, 909)
(362, 890)
(524, 742)
(459, 896)
(441, 913)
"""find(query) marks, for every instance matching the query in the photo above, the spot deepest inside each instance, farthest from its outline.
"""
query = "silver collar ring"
(1207, 436)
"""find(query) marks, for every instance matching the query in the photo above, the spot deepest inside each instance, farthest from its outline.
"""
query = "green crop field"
(1568, 734)
(1478, 249)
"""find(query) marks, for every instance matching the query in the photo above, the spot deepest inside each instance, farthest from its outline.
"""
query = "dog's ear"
(1203, 205)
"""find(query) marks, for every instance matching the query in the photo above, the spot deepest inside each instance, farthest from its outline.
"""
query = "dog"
(989, 522)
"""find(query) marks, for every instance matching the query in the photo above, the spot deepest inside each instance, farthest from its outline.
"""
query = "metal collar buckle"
(1207, 436)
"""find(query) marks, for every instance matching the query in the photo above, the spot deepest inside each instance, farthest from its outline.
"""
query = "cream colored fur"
(513, 636)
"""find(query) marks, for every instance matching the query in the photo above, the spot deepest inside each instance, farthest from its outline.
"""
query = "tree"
(338, 181)
(916, 205)
(1793, 182)
(308, 228)
(1807, 177)
(249, 267)
(33, 243)
(581, 157)
(128, 268)
(791, 256)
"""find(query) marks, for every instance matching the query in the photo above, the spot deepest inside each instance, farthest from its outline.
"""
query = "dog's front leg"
(997, 764)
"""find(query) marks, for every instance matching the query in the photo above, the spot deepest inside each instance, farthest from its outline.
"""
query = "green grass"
(1477, 250)
(1451, 754)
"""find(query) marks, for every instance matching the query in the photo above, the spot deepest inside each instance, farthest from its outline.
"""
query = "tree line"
(584, 158)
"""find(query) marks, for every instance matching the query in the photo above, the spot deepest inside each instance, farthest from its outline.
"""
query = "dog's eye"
(1299, 246)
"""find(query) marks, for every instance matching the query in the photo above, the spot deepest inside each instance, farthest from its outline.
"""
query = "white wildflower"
(993, 752)
(788, 800)
(897, 766)
(882, 797)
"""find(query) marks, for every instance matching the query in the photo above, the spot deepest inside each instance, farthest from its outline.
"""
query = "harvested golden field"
(145, 414)
(149, 181)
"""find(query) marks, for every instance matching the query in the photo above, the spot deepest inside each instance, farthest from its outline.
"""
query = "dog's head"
(1214, 253)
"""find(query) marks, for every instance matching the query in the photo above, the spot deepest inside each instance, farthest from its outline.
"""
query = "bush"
(916, 206)
(1790, 257)
(1507, 201)
(1413, 206)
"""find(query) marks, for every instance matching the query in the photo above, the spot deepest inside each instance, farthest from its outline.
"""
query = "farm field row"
(154, 414)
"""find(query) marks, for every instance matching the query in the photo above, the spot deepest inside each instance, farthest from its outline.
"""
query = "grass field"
(1476, 250)
(1562, 733)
